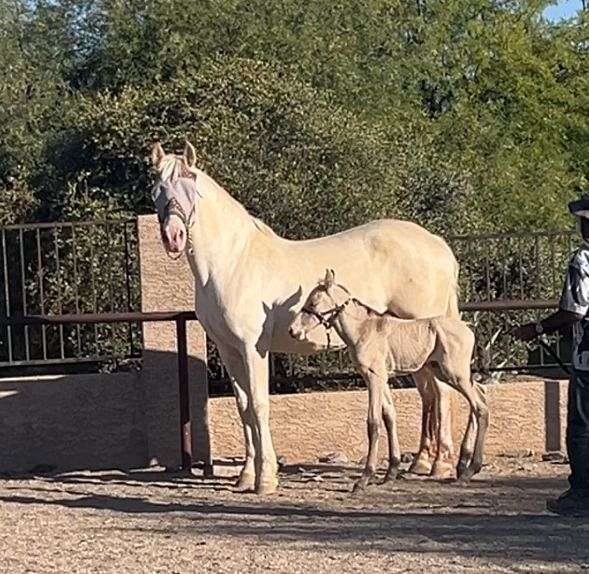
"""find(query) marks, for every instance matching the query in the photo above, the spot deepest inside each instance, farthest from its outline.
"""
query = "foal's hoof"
(360, 485)
(390, 476)
(464, 475)
(461, 469)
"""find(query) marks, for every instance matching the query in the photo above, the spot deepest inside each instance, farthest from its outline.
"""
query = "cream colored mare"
(250, 283)
(381, 345)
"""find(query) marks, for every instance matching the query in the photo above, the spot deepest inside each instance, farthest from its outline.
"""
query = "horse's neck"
(352, 322)
(219, 233)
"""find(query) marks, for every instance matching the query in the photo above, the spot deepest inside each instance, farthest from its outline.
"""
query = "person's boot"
(570, 503)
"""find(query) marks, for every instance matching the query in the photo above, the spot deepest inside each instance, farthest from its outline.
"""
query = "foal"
(380, 345)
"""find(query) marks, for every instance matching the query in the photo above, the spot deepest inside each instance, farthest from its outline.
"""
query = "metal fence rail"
(57, 268)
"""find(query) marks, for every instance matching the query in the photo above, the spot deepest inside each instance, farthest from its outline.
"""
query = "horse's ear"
(329, 278)
(157, 155)
(189, 154)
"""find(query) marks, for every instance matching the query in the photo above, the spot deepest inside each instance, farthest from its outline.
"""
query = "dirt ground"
(149, 521)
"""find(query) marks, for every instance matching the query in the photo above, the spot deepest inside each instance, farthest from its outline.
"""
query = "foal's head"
(322, 307)
(174, 194)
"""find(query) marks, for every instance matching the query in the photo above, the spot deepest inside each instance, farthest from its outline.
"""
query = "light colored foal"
(381, 345)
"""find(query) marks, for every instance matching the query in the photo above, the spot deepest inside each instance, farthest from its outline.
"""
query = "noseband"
(173, 207)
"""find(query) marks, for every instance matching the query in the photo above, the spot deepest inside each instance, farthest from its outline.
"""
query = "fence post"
(184, 396)
(169, 286)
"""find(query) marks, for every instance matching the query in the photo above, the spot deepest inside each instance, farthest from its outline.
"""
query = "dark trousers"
(578, 431)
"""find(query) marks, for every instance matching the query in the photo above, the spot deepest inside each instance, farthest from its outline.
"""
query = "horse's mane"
(263, 227)
(173, 166)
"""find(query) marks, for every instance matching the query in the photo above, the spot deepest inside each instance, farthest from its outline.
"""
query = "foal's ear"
(157, 155)
(189, 154)
(329, 278)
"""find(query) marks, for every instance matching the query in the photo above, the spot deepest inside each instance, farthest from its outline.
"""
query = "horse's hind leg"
(435, 454)
(375, 397)
(389, 415)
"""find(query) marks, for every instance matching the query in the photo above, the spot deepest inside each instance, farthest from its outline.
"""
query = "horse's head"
(174, 194)
(322, 307)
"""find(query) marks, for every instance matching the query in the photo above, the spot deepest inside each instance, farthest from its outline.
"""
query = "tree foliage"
(464, 115)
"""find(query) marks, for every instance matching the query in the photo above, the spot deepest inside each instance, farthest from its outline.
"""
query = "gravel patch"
(150, 521)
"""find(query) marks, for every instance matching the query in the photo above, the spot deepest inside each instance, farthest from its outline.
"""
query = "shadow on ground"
(499, 519)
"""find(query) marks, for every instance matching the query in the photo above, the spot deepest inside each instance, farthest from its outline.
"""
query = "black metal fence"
(61, 268)
(54, 269)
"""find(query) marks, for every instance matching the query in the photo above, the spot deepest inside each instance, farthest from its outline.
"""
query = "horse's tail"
(452, 309)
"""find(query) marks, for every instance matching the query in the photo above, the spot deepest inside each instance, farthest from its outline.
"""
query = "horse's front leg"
(235, 366)
(256, 386)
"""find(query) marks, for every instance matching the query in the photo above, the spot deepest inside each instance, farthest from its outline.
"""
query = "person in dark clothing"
(573, 312)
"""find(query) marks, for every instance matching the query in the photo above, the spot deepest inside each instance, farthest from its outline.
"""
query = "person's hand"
(525, 332)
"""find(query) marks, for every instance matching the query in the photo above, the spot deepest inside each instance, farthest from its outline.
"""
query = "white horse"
(381, 345)
(250, 283)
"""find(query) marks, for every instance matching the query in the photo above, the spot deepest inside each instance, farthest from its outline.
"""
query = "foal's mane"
(173, 166)
(370, 310)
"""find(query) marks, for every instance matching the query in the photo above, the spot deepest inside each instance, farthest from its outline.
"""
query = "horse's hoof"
(464, 475)
(442, 470)
(359, 487)
(267, 488)
(420, 466)
(390, 476)
(245, 483)
(461, 469)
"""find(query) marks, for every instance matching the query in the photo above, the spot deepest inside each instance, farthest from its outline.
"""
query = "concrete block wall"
(69, 422)
(524, 416)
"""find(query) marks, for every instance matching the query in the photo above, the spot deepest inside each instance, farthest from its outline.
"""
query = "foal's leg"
(467, 446)
(471, 459)
(234, 364)
(478, 403)
(422, 464)
(375, 396)
(390, 420)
